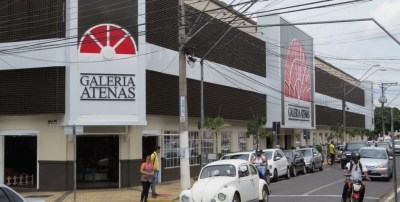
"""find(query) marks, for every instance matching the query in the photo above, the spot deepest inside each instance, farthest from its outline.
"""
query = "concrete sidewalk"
(168, 191)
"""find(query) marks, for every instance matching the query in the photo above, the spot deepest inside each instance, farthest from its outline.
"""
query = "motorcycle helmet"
(259, 152)
(355, 155)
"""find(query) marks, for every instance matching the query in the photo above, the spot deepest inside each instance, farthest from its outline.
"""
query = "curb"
(174, 198)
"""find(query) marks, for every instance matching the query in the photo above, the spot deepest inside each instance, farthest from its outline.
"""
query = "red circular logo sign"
(108, 40)
(297, 77)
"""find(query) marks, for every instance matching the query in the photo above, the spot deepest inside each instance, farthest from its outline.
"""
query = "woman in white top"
(261, 163)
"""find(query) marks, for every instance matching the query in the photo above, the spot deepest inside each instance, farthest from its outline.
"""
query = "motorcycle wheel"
(268, 179)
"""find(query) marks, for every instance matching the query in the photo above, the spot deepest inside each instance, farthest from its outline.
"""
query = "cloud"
(387, 12)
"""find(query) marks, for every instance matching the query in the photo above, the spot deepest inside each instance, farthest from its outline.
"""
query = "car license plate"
(373, 171)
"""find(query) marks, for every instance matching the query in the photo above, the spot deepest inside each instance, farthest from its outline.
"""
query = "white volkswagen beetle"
(229, 180)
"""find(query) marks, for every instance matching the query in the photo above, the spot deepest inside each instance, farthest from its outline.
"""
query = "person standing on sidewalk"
(332, 152)
(154, 160)
(147, 172)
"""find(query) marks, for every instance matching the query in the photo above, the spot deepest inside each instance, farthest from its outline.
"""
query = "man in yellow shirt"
(332, 151)
(156, 166)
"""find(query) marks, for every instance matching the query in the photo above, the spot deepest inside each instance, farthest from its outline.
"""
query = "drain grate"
(38, 196)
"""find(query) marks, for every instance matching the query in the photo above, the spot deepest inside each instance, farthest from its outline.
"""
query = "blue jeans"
(263, 173)
(154, 183)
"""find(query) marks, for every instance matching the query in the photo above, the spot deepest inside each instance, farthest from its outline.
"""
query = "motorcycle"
(354, 189)
(267, 174)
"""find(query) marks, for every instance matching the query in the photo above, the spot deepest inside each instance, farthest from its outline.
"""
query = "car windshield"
(268, 155)
(397, 142)
(305, 153)
(374, 154)
(237, 156)
(288, 154)
(383, 145)
(218, 170)
(356, 146)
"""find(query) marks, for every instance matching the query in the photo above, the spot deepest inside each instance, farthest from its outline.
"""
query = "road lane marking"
(339, 196)
(314, 190)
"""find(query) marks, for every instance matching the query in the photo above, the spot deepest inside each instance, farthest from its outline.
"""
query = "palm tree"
(338, 130)
(254, 128)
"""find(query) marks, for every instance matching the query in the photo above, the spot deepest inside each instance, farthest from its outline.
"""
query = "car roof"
(235, 162)
(236, 153)
(360, 141)
(375, 148)
(306, 148)
(264, 150)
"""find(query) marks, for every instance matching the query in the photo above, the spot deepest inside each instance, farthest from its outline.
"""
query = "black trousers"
(332, 159)
(346, 188)
(145, 193)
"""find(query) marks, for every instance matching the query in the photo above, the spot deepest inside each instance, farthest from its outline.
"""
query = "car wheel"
(294, 171)
(312, 169)
(275, 178)
(265, 194)
(287, 173)
(304, 169)
(343, 166)
(391, 175)
(321, 168)
(236, 198)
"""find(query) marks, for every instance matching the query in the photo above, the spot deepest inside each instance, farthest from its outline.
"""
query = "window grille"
(194, 148)
(208, 142)
(226, 142)
(171, 149)
(242, 141)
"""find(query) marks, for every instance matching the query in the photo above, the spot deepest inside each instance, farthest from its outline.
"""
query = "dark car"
(296, 162)
(349, 148)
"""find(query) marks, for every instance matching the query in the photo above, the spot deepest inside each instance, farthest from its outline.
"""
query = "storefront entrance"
(97, 161)
(20, 161)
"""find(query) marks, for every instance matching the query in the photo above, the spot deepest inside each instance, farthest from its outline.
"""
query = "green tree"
(339, 131)
(214, 125)
(386, 119)
(254, 128)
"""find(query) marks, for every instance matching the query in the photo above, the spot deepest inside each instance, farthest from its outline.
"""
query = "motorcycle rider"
(261, 162)
(355, 168)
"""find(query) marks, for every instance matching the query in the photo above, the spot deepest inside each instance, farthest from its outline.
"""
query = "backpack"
(351, 166)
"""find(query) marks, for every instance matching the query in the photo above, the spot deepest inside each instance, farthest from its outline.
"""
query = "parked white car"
(277, 163)
(229, 180)
(239, 155)
(8, 194)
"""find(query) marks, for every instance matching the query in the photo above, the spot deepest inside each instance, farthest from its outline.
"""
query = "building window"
(171, 149)
(194, 148)
(314, 138)
(326, 138)
(226, 142)
(320, 138)
(242, 141)
(208, 142)
(297, 141)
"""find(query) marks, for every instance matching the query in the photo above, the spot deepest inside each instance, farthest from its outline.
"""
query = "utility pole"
(344, 110)
(383, 100)
(394, 158)
(183, 129)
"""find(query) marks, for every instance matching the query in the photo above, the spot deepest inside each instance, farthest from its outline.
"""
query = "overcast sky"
(355, 40)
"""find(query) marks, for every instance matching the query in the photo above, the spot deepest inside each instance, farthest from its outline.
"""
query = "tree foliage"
(386, 119)
(215, 125)
(254, 128)
(339, 131)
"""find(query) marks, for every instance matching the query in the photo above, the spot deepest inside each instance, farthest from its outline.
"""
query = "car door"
(318, 158)
(246, 184)
(282, 162)
(256, 180)
(297, 160)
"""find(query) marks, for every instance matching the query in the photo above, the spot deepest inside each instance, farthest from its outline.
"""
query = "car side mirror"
(277, 158)
(314, 154)
(390, 157)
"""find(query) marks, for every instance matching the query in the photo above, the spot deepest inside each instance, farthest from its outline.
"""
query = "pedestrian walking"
(332, 152)
(154, 160)
(147, 171)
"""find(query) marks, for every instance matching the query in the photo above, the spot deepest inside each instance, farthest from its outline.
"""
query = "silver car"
(377, 161)
(397, 146)
(8, 194)
(313, 159)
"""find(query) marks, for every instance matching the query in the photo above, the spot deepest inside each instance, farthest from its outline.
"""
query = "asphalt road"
(325, 186)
